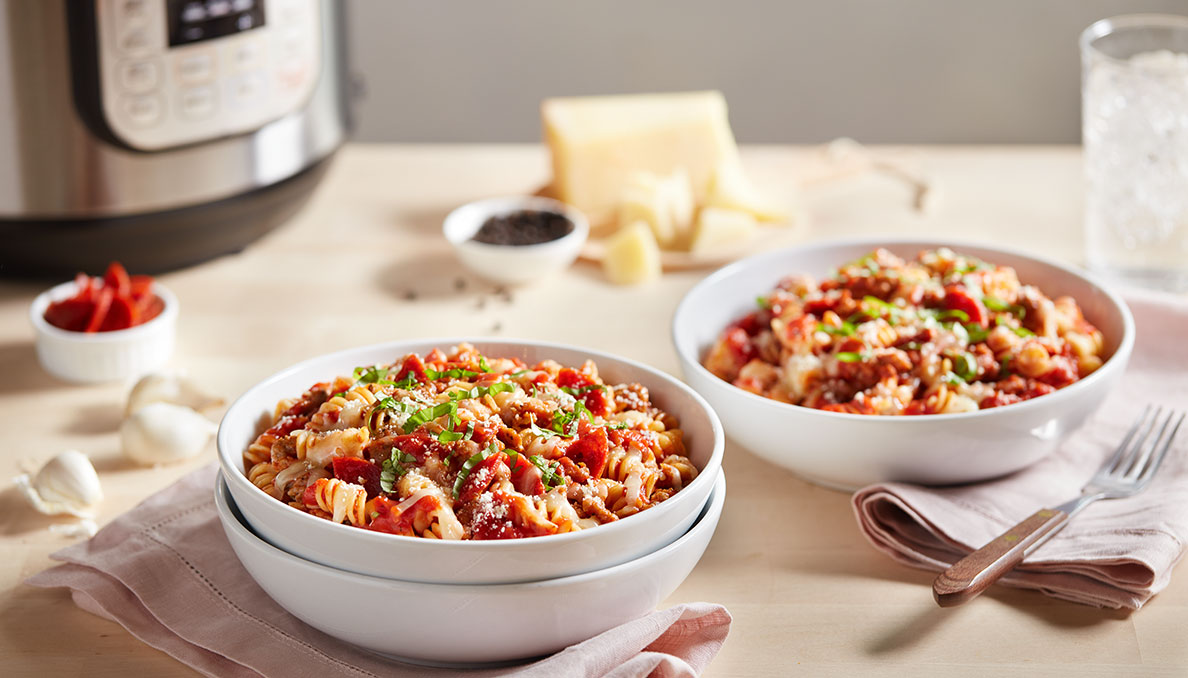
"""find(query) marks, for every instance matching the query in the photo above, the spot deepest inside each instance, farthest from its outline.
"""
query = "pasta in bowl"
(803, 353)
(944, 333)
(450, 462)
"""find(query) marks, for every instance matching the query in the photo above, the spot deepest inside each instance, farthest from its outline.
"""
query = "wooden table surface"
(809, 596)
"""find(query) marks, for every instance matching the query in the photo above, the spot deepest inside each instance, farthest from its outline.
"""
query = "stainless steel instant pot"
(160, 133)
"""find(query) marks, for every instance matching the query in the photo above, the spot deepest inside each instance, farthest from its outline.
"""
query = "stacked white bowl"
(469, 602)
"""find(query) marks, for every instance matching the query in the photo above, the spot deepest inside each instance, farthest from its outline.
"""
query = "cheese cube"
(596, 143)
(718, 227)
(644, 202)
(632, 255)
(664, 203)
(730, 188)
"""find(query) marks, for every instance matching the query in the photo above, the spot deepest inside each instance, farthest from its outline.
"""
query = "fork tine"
(1153, 466)
(1109, 465)
(1129, 469)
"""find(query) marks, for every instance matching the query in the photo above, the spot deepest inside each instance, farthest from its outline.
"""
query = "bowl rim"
(711, 469)
(459, 228)
(65, 290)
(1117, 360)
(226, 508)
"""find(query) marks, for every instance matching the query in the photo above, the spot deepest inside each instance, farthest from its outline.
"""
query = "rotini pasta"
(943, 334)
(462, 446)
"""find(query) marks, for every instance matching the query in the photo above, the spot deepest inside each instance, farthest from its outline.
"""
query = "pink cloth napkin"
(1113, 554)
(165, 572)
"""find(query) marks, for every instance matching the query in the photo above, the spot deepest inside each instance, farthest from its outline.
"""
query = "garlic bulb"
(163, 432)
(169, 388)
(66, 484)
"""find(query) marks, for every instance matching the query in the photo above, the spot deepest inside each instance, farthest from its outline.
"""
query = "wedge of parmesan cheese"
(718, 227)
(598, 143)
(632, 255)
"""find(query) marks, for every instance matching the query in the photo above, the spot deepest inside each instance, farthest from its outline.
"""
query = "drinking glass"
(1134, 104)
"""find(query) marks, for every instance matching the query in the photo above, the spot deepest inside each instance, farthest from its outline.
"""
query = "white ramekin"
(94, 357)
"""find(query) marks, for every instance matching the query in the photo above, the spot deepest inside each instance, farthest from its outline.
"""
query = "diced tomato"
(957, 298)
(122, 314)
(598, 401)
(70, 314)
(571, 378)
(150, 307)
(480, 477)
(310, 496)
(85, 285)
(755, 322)
(505, 522)
(417, 444)
(740, 345)
(141, 286)
(102, 304)
(1064, 372)
(117, 279)
(587, 389)
(435, 357)
(385, 521)
(359, 472)
(289, 423)
(412, 365)
(998, 400)
(590, 449)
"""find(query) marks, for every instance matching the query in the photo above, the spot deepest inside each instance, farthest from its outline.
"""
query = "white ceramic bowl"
(513, 264)
(103, 356)
(498, 622)
(470, 562)
(849, 450)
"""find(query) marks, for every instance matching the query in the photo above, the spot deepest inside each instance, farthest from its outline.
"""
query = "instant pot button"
(133, 11)
(138, 77)
(195, 68)
(197, 102)
(245, 90)
(134, 41)
(245, 54)
(143, 110)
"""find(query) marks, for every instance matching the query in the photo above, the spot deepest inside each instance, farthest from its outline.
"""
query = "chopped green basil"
(849, 357)
(455, 373)
(579, 391)
(394, 468)
(474, 460)
(955, 313)
(965, 366)
(550, 471)
(976, 332)
(763, 302)
(847, 329)
(1023, 332)
(421, 417)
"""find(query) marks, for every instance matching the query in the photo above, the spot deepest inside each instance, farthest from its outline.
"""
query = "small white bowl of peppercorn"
(516, 240)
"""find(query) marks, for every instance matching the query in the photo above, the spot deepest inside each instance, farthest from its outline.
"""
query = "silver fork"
(1125, 473)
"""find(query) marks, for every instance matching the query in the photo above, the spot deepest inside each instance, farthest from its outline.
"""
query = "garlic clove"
(66, 484)
(83, 528)
(177, 389)
(163, 432)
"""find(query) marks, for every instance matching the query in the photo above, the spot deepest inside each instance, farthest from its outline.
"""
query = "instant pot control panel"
(177, 72)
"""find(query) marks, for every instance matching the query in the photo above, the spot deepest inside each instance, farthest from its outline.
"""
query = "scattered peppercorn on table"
(365, 262)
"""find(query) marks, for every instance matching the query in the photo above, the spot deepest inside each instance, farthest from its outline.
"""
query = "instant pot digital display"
(197, 20)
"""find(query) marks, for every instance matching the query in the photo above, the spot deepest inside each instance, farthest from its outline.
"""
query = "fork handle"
(973, 574)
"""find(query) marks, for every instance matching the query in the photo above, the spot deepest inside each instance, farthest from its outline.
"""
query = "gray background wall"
(792, 70)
